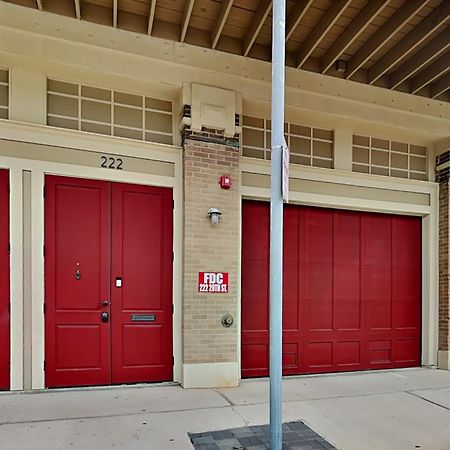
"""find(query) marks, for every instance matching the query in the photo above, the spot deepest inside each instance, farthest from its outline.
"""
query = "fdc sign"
(213, 282)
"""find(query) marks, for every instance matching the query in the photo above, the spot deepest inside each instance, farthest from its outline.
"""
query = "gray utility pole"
(276, 222)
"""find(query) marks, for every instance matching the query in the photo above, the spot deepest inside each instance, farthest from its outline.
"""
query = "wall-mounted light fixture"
(214, 214)
(341, 66)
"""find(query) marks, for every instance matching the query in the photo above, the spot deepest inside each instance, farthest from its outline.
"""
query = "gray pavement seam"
(427, 400)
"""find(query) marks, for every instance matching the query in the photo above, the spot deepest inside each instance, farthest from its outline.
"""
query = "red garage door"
(4, 279)
(108, 280)
(352, 290)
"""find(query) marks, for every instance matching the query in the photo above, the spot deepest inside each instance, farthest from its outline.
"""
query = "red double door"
(4, 279)
(108, 283)
(352, 290)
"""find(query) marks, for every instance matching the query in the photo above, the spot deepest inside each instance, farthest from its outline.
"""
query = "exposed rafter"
(431, 73)
(321, 29)
(258, 21)
(151, 16)
(351, 33)
(295, 16)
(188, 7)
(221, 20)
(77, 9)
(392, 25)
(115, 13)
(419, 60)
(428, 25)
(440, 86)
(40, 5)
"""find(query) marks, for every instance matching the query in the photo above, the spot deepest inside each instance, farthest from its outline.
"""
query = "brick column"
(442, 177)
(210, 351)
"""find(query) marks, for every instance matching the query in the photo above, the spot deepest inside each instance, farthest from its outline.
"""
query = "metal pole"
(276, 222)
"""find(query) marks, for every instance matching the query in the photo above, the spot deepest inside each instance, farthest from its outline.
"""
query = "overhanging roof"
(397, 44)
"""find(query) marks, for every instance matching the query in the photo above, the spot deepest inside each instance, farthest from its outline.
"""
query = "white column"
(343, 149)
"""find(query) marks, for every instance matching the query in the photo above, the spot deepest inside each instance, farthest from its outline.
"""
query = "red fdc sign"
(213, 282)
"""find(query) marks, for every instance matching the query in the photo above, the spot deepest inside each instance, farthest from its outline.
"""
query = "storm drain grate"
(296, 436)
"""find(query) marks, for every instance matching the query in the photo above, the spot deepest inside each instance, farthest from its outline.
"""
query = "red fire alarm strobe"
(225, 182)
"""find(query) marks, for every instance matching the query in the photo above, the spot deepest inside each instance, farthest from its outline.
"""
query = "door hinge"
(173, 360)
(173, 204)
(173, 308)
(9, 248)
(43, 250)
(43, 191)
(8, 187)
(173, 256)
(44, 365)
(44, 308)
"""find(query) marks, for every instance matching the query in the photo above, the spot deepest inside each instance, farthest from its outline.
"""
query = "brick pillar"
(210, 352)
(442, 177)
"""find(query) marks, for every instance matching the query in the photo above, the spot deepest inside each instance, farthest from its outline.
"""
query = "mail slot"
(143, 317)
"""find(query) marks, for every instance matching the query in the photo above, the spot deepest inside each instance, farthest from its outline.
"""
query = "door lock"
(105, 303)
(105, 317)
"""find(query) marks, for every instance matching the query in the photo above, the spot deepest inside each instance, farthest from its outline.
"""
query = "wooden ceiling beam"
(220, 23)
(404, 47)
(151, 17)
(320, 30)
(295, 16)
(351, 33)
(419, 60)
(115, 13)
(187, 13)
(440, 86)
(384, 33)
(77, 9)
(431, 73)
(255, 27)
(40, 5)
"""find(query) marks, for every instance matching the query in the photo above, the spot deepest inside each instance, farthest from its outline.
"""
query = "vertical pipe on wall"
(276, 222)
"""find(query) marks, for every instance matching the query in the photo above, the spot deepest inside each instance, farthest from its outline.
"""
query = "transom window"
(390, 158)
(308, 146)
(109, 112)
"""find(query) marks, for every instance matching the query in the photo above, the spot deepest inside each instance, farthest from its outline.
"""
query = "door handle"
(105, 317)
(105, 303)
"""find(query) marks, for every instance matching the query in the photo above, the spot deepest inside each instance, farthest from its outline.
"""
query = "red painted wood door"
(77, 280)
(100, 330)
(141, 284)
(4, 279)
(352, 290)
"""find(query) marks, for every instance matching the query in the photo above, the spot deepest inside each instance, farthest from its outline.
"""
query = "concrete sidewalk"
(399, 409)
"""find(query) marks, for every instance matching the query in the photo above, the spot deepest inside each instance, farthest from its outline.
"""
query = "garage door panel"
(379, 314)
(255, 314)
(256, 357)
(290, 296)
(256, 223)
(356, 307)
(406, 242)
(347, 240)
(347, 314)
(290, 357)
(406, 351)
(406, 283)
(319, 247)
(319, 355)
(346, 282)
(4, 280)
(376, 282)
(347, 354)
(376, 239)
(406, 315)
(380, 351)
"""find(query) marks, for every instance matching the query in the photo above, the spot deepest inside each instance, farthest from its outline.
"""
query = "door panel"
(142, 306)
(351, 290)
(4, 280)
(77, 268)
